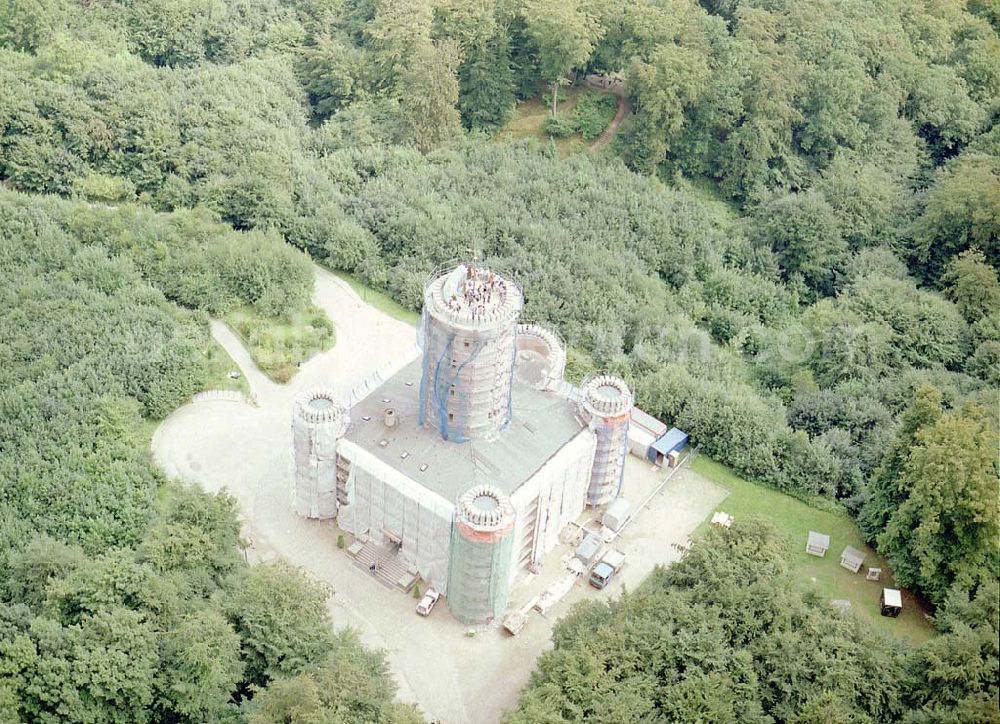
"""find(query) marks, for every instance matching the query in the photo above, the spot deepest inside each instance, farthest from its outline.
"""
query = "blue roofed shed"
(673, 440)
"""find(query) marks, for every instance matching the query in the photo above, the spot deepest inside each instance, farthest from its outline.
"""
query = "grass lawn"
(278, 345)
(218, 366)
(379, 300)
(531, 114)
(795, 519)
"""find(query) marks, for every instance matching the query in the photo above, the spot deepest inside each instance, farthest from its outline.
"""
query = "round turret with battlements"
(468, 335)
(318, 422)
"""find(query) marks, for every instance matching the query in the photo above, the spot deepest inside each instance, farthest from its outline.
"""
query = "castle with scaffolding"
(471, 460)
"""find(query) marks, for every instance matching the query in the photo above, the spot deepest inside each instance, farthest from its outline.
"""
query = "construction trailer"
(588, 549)
(616, 514)
(472, 459)
(643, 431)
(667, 448)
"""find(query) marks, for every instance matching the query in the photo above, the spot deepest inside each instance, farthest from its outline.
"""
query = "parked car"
(427, 603)
(606, 569)
(601, 575)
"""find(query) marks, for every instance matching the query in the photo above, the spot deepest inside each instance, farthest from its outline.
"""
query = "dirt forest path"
(616, 87)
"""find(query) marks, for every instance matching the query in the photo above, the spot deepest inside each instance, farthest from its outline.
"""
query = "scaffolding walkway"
(384, 563)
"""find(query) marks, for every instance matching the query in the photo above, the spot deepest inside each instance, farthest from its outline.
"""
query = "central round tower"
(468, 334)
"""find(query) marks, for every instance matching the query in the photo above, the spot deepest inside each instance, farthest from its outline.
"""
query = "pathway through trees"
(616, 87)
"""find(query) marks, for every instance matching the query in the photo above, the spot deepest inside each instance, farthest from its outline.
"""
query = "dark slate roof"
(542, 423)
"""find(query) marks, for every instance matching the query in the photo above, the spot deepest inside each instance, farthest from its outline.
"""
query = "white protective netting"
(383, 503)
(318, 422)
(468, 340)
(606, 405)
(560, 487)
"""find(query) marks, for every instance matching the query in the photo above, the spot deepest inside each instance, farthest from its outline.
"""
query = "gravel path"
(624, 108)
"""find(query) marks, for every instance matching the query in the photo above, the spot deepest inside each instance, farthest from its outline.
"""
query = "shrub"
(593, 113)
(559, 126)
(102, 188)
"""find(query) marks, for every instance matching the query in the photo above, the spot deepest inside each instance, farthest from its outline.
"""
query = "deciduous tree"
(945, 530)
(280, 615)
(565, 33)
(972, 284)
(429, 95)
(804, 233)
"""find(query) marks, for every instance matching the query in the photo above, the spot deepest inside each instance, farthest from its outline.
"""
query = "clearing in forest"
(586, 118)
(794, 519)
(246, 449)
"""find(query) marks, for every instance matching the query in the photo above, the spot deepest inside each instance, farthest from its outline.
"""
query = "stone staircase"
(390, 570)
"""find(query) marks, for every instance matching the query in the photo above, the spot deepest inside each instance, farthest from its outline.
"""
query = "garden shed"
(817, 544)
(851, 559)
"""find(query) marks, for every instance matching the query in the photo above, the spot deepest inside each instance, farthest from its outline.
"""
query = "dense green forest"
(727, 635)
(790, 250)
(123, 598)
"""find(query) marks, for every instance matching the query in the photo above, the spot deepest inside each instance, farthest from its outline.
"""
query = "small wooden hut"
(891, 601)
(851, 559)
(817, 544)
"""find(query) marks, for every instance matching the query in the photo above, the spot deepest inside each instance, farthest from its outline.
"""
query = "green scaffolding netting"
(479, 577)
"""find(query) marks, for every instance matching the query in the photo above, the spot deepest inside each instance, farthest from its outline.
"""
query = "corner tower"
(606, 407)
(482, 546)
(318, 423)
